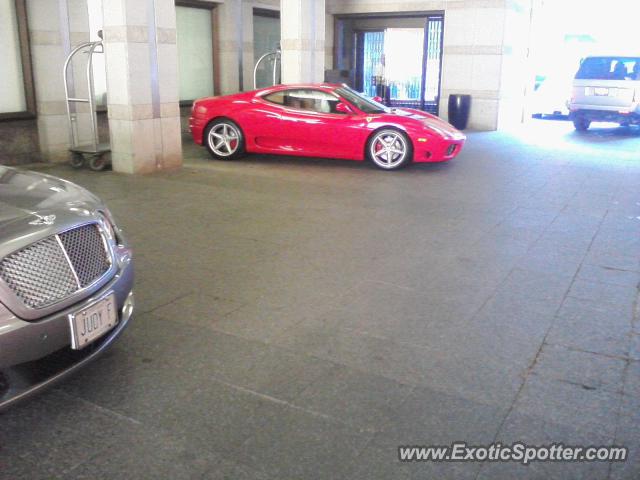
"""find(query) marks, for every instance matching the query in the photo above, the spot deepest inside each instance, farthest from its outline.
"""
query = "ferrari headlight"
(436, 130)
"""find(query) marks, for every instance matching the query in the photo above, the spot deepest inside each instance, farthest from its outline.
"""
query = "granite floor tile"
(302, 318)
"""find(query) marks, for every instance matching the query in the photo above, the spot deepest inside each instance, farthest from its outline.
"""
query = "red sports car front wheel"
(389, 149)
(224, 139)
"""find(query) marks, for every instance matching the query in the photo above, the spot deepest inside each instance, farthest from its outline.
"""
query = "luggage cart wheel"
(98, 162)
(77, 160)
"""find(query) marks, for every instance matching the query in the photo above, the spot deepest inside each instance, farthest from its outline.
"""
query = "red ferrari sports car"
(329, 121)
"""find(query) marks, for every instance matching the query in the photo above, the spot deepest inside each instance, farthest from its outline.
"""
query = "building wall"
(235, 39)
(50, 36)
(19, 142)
(248, 56)
(236, 42)
(485, 50)
(54, 28)
(517, 73)
(485, 47)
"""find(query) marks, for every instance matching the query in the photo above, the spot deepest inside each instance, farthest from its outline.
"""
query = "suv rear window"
(609, 68)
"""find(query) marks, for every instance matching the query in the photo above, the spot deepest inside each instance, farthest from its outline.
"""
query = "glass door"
(402, 64)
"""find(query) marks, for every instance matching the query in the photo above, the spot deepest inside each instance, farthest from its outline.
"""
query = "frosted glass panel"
(403, 49)
(12, 97)
(266, 38)
(195, 52)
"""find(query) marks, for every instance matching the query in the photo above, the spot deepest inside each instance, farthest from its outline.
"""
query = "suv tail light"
(577, 92)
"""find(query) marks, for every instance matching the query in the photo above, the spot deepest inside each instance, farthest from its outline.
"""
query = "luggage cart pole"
(276, 59)
(92, 108)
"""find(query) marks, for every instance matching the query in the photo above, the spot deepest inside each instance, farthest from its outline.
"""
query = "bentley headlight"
(110, 225)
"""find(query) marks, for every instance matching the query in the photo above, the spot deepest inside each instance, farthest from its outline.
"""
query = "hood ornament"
(42, 219)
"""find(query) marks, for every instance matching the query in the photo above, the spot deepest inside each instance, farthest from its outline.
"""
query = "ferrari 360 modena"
(327, 121)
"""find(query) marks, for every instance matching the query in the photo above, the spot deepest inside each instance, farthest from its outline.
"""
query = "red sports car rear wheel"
(389, 149)
(224, 139)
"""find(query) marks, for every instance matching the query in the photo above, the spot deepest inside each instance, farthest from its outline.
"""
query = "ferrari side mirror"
(377, 99)
(343, 108)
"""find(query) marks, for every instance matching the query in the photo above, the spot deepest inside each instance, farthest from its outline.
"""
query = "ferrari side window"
(276, 97)
(308, 100)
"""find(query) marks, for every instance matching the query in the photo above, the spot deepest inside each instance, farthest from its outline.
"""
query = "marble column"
(142, 85)
(231, 22)
(303, 40)
(55, 27)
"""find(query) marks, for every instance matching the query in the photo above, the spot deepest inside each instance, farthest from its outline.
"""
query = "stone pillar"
(485, 55)
(328, 42)
(55, 27)
(230, 22)
(517, 74)
(247, 46)
(142, 84)
(472, 62)
(303, 39)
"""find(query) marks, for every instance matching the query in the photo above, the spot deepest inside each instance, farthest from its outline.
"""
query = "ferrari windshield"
(363, 103)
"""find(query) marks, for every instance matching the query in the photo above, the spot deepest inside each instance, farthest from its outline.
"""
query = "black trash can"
(459, 108)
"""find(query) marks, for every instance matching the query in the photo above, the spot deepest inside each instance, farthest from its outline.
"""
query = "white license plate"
(94, 321)
(601, 91)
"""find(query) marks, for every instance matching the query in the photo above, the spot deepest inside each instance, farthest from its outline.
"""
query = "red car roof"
(328, 86)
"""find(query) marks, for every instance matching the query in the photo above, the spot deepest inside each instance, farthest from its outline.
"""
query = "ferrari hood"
(33, 205)
(430, 120)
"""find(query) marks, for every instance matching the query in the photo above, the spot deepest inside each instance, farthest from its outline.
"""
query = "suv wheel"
(581, 124)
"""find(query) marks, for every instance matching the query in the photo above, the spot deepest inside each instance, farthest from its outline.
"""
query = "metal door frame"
(425, 49)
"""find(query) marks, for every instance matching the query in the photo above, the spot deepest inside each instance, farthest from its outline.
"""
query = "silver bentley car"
(66, 280)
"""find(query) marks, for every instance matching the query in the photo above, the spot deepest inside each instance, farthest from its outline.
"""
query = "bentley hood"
(34, 205)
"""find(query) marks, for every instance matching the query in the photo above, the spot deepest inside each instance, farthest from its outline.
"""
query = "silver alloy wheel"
(388, 149)
(224, 139)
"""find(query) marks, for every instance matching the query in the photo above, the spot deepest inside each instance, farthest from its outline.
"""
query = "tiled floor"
(300, 319)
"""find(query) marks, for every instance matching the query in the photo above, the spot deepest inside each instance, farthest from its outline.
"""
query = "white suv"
(606, 89)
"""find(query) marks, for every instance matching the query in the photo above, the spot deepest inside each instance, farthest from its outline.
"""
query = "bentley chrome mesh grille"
(85, 248)
(56, 267)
